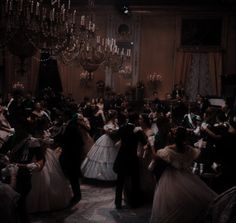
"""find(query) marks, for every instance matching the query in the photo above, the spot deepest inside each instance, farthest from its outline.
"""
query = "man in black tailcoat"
(71, 142)
(127, 164)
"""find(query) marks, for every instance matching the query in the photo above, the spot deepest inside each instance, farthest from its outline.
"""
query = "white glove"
(204, 125)
(12, 130)
(32, 166)
(200, 144)
(197, 131)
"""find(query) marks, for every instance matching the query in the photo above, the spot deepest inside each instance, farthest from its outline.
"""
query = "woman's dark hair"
(133, 116)
(210, 115)
(146, 120)
(111, 114)
(179, 138)
(221, 116)
(2, 161)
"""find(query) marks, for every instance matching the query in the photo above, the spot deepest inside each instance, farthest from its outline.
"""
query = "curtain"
(34, 72)
(198, 78)
(49, 74)
(183, 65)
(200, 73)
(215, 71)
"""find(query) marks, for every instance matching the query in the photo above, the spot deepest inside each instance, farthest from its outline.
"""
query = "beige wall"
(157, 50)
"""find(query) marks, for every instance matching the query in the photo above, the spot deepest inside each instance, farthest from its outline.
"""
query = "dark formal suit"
(14, 112)
(127, 164)
(71, 142)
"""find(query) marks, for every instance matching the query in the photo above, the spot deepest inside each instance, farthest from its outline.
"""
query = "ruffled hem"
(98, 170)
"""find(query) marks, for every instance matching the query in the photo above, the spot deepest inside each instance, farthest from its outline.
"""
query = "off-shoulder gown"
(180, 196)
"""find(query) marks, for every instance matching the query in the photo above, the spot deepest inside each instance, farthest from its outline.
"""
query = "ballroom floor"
(97, 205)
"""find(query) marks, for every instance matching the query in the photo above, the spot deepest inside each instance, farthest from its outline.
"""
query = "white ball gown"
(50, 189)
(180, 196)
(99, 161)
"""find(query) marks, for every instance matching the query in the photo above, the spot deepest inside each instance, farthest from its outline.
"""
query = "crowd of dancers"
(181, 153)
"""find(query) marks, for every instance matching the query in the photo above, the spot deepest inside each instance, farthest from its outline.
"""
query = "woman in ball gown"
(50, 189)
(38, 119)
(180, 196)
(99, 161)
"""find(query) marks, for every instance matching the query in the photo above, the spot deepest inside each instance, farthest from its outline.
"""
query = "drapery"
(33, 72)
(215, 70)
(183, 64)
(199, 72)
(198, 80)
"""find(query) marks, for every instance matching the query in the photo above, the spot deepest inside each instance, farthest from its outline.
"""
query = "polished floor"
(97, 205)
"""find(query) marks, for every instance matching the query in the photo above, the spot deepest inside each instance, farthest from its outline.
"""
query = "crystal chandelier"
(85, 46)
(91, 53)
(114, 59)
(44, 25)
(90, 49)
(85, 30)
(118, 58)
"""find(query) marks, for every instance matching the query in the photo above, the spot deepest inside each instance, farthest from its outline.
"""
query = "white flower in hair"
(136, 129)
